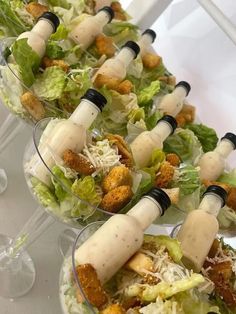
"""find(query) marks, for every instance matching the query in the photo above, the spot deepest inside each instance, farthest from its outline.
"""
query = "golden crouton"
(140, 262)
(123, 150)
(186, 115)
(173, 195)
(36, 9)
(163, 79)
(117, 198)
(231, 199)
(151, 60)
(124, 87)
(33, 105)
(104, 80)
(105, 45)
(164, 175)
(171, 80)
(47, 62)
(119, 13)
(221, 269)
(119, 175)
(91, 286)
(173, 159)
(223, 185)
(214, 248)
(114, 309)
(77, 162)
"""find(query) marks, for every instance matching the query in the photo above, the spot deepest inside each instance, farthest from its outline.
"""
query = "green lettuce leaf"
(151, 120)
(121, 32)
(172, 245)
(228, 177)
(147, 94)
(27, 60)
(162, 307)
(50, 84)
(164, 290)
(185, 144)
(60, 34)
(206, 136)
(61, 184)
(59, 3)
(54, 51)
(187, 179)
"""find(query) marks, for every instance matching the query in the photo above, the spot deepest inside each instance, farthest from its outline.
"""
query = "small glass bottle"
(67, 134)
(212, 164)
(37, 38)
(116, 67)
(172, 103)
(200, 228)
(112, 245)
(146, 41)
(85, 33)
(144, 144)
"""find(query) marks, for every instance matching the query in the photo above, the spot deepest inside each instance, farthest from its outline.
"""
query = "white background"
(194, 49)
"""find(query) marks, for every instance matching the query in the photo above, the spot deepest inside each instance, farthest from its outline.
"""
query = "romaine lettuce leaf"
(228, 177)
(162, 307)
(54, 51)
(206, 136)
(172, 245)
(151, 120)
(187, 179)
(50, 84)
(27, 60)
(121, 32)
(146, 95)
(61, 184)
(185, 144)
(60, 34)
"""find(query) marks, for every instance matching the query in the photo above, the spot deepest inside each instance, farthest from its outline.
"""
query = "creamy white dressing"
(117, 66)
(85, 33)
(144, 144)
(112, 245)
(198, 232)
(212, 164)
(145, 44)
(172, 103)
(38, 36)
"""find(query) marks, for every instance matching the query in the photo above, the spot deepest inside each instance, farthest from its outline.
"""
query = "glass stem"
(9, 129)
(33, 228)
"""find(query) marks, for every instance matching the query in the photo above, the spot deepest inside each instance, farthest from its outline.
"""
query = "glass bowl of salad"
(153, 281)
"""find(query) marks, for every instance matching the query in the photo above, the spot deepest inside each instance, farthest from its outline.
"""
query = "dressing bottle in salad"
(212, 164)
(37, 38)
(116, 67)
(144, 144)
(200, 228)
(145, 43)
(112, 245)
(67, 134)
(99, 4)
(85, 33)
(172, 103)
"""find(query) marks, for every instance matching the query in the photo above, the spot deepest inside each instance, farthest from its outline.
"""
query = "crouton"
(47, 62)
(221, 269)
(223, 185)
(151, 60)
(78, 163)
(119, 13)
(124, 87)
(214, 248)
(104, 80)
(171, 80)
(231, 199)
(36, 9)
(186, 115)
(119, 175)
(173, 195)
(117, 198)
(173, 159)
(105, 45)
(164, 175)
(91, 286)
(33, 105)
(139, 263)
(114, 309)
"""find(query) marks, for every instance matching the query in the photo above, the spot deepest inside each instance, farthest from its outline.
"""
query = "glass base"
(17, 273)
(3, 180)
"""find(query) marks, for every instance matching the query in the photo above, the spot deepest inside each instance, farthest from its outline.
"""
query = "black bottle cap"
(110, 11)
(184, 84)
(218, 190)
(95, 97)
(133, 46)
(151, 33)
(161, 197)
(231, 137)
(171, 120)
(52, 18)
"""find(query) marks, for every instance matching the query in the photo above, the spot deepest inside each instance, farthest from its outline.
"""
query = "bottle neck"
(224, 148)
(102, 18)
(163, 129)
(126, 55)
(85, 114)
(211, 203)
(145, 42)
(43, 28)
(146, 211)
(180, 92)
